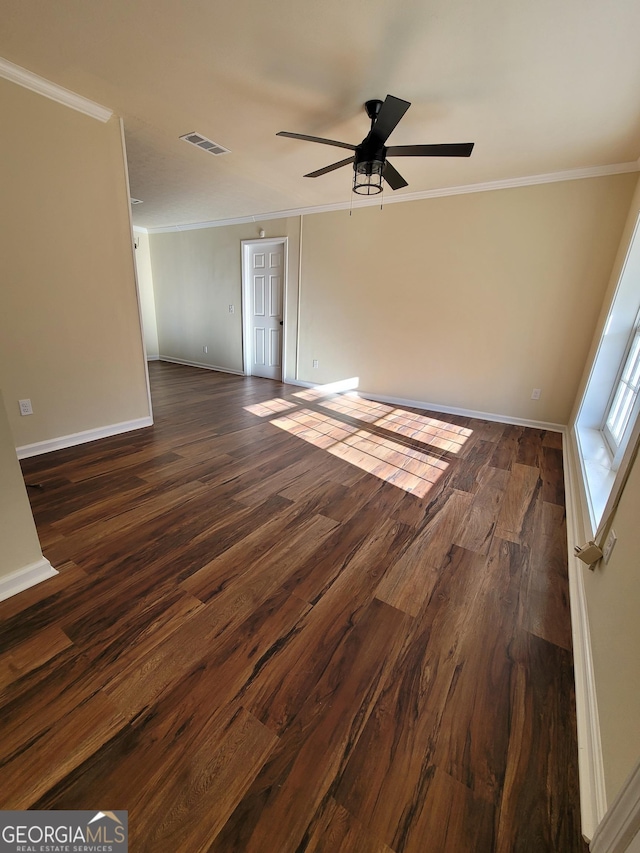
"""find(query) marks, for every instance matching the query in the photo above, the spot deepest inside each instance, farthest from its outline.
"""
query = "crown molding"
(489, 186)
(19, 75)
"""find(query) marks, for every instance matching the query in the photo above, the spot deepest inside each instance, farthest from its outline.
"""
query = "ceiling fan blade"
(316, 139)
(460, 149)
(393, 177)
(330, 168)
(390, 114)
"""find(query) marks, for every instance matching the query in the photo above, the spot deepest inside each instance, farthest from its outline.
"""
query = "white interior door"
(266, 272)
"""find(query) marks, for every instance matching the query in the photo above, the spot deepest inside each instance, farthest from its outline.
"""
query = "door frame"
(247, 300)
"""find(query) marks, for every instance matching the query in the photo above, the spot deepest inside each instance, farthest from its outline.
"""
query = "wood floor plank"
(276, 484)
(190, 644)
(505, 451)
(313, 576)
(477, 532)
(552, 475)
(336, 831)
(184, 720)
(530, 448)
(466, 749)
(547, 593)
(552, 439)
(263, 546)
(385, 778)
(285, 684)
(287, 620)
(489, 430)
(367, 495)
(536, 753)
(434, 542)
(149, 621)
(449, 815)
(329, 723)
(31, 654)
(82, 731)
(212, 784)
(465, 476)
(409, 583)
(518, 504)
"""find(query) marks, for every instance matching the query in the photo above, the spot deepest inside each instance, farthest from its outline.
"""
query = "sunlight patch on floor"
(335, 418)
(329, 389)
(270, 407)
(431, 431)
(412, 470)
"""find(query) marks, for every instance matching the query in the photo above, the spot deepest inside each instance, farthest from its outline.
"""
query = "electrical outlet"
(232, 309)
(25, 407)
(609, 545)
(315, 362)
(535, 394)
(205, 349)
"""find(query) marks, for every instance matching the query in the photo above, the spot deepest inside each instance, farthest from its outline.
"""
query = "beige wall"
(197, 274)
(147, 298)
(70, 335)
(19, 545)
(613, 596)
(469, 301)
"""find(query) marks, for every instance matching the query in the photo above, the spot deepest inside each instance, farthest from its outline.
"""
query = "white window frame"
(603, 467)
(618, 424)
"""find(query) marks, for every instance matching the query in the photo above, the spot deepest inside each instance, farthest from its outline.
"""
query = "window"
(608, 421)
(624, 405)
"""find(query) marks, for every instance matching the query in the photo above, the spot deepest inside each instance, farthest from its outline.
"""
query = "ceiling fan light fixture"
(367, 177)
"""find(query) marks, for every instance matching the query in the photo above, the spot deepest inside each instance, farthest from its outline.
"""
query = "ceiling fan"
(370, 164)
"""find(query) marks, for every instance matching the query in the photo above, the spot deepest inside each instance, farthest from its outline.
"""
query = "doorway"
(264, 264)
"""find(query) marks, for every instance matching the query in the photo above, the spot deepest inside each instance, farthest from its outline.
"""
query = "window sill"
(599, 477)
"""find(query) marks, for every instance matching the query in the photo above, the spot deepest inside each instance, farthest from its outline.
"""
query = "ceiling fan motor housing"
(367, 153)
(369, 159)
(373, 107)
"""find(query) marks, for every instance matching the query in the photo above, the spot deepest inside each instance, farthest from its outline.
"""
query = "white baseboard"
(200, 364)
(25, 577)
(593, 798)
(153, 358)
(445, 410)
(83, 437)
(621, 824)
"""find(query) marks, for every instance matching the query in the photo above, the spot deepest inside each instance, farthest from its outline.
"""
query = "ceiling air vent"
(201, 141)
(135, 200)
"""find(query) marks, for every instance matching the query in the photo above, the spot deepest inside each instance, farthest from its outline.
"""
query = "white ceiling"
(540, 88)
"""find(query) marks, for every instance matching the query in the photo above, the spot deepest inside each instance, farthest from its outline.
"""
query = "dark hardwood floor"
(288, 621)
